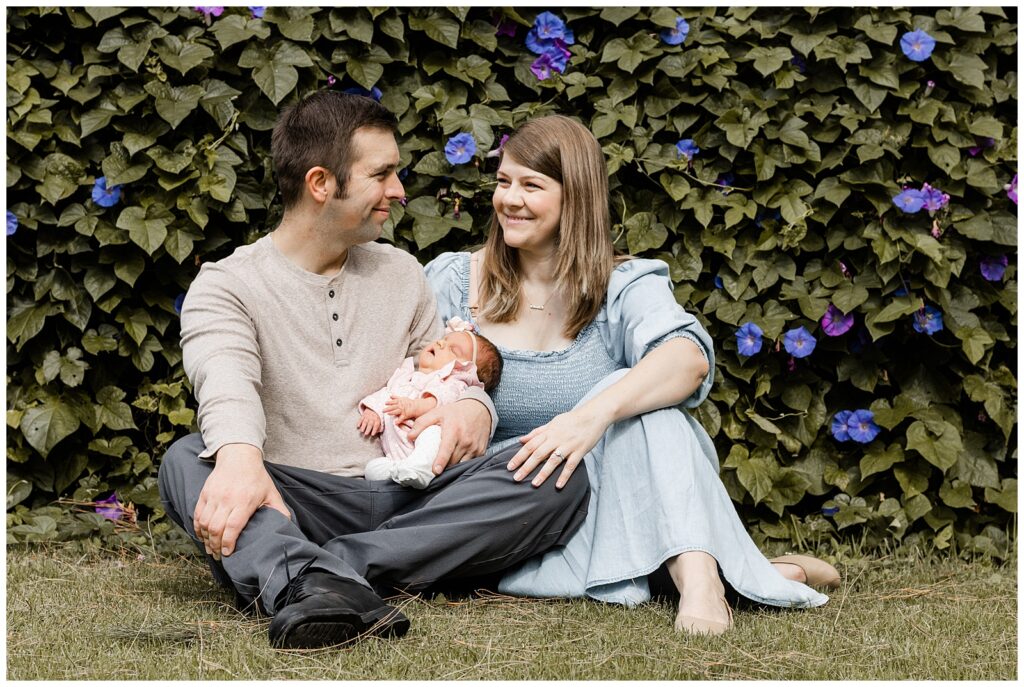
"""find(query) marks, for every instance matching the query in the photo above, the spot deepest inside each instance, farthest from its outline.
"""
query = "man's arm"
(221, 357)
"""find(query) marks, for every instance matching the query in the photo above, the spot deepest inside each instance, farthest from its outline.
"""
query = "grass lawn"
(116, 617)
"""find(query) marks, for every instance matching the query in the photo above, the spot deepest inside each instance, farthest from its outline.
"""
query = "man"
(281, 340)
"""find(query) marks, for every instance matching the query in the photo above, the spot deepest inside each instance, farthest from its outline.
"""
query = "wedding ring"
(558, 455)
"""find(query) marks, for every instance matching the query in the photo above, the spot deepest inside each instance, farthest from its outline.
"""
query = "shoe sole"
(336, 628)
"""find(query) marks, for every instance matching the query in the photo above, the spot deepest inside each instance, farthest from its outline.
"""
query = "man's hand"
(465, 430)
(237, 487)
(370, 423)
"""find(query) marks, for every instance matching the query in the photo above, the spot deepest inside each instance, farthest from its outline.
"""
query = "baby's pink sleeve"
(446, 391)
(375, 401)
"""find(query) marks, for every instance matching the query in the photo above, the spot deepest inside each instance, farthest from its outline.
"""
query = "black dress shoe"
(319, 609)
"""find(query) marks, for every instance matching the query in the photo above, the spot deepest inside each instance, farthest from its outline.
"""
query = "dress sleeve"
(642, 313)
(446, 275)
(221, 357)
(427, 325)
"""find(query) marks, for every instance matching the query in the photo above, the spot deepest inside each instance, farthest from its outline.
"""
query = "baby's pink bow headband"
(457, 324)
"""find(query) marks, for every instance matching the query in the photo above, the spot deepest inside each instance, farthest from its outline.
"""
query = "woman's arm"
(664, 377)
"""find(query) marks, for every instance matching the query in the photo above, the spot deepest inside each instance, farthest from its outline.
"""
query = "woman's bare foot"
(702, 606)
(791, 571)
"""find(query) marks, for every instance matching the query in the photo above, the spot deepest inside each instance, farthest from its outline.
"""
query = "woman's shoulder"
(635, 270)
(448, 264)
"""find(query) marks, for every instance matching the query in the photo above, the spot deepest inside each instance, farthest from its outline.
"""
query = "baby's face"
(454, 346)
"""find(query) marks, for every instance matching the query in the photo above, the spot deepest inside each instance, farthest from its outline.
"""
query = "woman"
(597, 355)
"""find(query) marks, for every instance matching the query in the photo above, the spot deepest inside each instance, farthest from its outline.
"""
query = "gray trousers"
(471, 520)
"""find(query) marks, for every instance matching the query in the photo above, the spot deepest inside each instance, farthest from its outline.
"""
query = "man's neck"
(298, 239)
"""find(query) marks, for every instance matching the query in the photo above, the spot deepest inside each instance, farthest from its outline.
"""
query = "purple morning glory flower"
(506, 28)
(799, 342)
(917, 45)
(12, 223)
(676, 36)
(835, 323)
(258, 12)
(358, 90)
(718, 281)
(687, 148)
(178, 302)
(909, 201)
(103, 196)
(501, 146)
(841, 425)
(725, 180)
(862, 427)
(542, 67)
(113, 510)
(934, 199)
(1011, 190)
(215, 11)
(992, 266)
(749, 339)
(928, 320)
(460, 148)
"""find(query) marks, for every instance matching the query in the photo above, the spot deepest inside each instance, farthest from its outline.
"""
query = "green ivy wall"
(808, 121)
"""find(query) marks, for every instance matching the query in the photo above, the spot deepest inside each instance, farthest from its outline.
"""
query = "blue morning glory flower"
(829, 511)
(917, 45)
(687, 148)
(718, 281)
(258, 12)
(799, 342)
(549, 26)
(841, 425)
(928, 320)
(358, 90)
(178, 302)
(749, 339)
(676, 36)
(862, 427)
(12, 223)
(934, 199)
(460, 148)
(775, 215)
(910, 200)
(103, 196)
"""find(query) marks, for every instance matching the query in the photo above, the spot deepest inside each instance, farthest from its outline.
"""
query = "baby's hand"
(370, 423)
(407, 409)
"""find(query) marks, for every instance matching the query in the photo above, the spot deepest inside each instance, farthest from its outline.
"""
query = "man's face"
(372, 185)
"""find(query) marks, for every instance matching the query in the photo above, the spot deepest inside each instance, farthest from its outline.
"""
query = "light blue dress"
(655, 490)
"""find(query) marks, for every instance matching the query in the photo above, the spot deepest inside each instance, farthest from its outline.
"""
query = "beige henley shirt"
(279, 357)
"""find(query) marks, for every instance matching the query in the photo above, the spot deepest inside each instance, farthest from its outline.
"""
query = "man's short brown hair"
(317, 132)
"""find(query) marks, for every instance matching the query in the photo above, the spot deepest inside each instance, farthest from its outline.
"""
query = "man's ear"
(318, 183)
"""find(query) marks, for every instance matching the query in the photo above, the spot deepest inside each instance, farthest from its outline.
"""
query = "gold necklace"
(534, 306)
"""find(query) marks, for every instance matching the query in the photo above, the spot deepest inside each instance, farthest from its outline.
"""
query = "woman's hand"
(566, 439)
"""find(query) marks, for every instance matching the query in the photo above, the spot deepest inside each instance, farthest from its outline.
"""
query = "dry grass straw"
(123, 616)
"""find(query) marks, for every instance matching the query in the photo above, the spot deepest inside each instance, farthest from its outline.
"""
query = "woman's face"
(528, 205)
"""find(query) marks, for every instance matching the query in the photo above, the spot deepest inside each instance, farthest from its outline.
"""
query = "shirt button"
(331, 293)
(334, 317)
(338, 342)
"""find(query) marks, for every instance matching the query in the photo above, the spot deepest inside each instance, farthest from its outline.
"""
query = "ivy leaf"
(236, 28)
(956, 494)
(46, 425)
(769, 60)
(174, 103)
(879, 459)
(112, 411)
(1005, 498)
(644, 233)
(147, 227)
(25, 319)
(941, 450)
(756, 476)
(442, 29)
(61, 176)
(182, 56)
